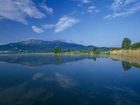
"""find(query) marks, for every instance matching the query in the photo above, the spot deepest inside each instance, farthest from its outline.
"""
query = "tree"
(69, 50)
(135, 45)
(57, 50)
(126, 43)
(94, 49)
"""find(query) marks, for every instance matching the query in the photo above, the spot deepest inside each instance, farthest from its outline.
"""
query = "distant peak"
(57, 41)
(32, 41)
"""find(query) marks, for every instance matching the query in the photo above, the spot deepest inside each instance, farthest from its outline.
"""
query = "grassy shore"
(117, 52)
(131, 56)
(128, 53)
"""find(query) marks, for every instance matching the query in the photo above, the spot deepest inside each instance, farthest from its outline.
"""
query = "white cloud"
(10, 11)
(123, 8)
(64, 23)
(120, 4)
(29, 8)
(48, 9)
(92, 9)
(19, 10)
(85, 1)
(87, 6)
(37, 29)
(117, 4)
(42, 28)
(129, 1)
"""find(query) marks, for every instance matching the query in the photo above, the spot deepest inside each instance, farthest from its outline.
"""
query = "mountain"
(33, 45)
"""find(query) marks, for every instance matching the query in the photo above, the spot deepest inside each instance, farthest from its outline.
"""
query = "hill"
(33, 45)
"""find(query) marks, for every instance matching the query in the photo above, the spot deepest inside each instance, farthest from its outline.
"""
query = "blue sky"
(88, 22)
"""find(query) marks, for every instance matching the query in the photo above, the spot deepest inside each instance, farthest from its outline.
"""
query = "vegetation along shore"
(57, 47)
(128, 49)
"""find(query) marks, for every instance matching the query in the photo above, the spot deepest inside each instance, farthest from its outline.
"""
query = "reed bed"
(129, 52)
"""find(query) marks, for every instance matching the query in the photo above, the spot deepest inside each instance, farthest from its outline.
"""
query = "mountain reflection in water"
(41, 59)
(34, 60)
(40, 79)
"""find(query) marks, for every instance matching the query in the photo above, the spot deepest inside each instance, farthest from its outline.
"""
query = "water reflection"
(42, 88)
(58, 58)
(126, 65)
(127, 62)
(86, 80)
(34, 60)
(94, 58)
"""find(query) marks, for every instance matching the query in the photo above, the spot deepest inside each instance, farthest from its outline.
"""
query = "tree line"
(127, 44)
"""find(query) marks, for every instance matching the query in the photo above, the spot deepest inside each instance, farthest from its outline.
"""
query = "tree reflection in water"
(58, 58)
(126, 65)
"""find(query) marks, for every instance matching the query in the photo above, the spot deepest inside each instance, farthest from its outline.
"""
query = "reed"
(129, 52)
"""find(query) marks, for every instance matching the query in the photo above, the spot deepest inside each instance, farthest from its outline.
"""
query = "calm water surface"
(68, 80)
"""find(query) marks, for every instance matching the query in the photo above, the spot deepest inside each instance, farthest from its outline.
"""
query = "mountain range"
(33, 45)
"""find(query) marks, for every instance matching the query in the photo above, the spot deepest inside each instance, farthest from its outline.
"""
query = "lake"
(39, 79)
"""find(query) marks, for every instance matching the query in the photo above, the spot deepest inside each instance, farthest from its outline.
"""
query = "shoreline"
(121, 52)
(126, 53)
(115, 55)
